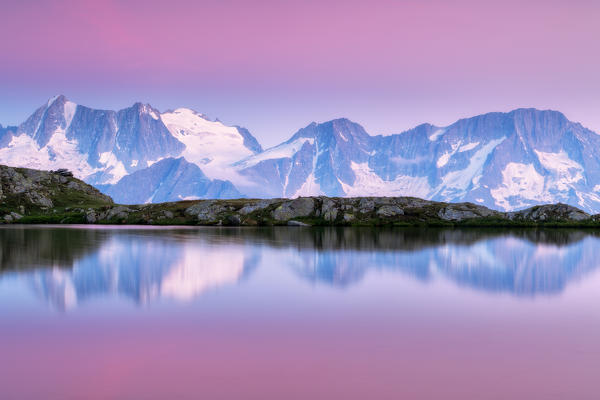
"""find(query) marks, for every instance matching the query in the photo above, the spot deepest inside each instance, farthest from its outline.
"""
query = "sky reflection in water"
(271, 312)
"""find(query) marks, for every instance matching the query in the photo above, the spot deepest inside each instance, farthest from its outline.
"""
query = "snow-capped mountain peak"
(315, 160)
(56, 114)
(210, 144)
(505, 161)
(147, 109)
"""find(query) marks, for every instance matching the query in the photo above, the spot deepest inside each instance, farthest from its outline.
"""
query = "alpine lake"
(122, 312)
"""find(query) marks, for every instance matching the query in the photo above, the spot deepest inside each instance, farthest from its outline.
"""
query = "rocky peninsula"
(33, 196)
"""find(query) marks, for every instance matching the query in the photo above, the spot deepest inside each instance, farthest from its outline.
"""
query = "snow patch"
(456, 147)
(443, 160)
(60, 152)
(284, 150)
(519, 182)
(52, 100)
(368, 183)
(188, 197)
(112, 166)
(461, 180)
(147, 109)
(565, 171)
(70, 109)
(468, 147)
(310, 187)
(435, 135)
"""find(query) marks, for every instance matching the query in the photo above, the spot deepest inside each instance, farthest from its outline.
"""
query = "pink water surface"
(274, 334)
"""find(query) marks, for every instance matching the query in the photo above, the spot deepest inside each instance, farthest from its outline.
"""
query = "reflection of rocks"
(69, 266)
(377, 239)
(26, 247)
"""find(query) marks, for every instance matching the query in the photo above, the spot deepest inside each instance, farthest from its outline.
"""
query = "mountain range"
(504, 161)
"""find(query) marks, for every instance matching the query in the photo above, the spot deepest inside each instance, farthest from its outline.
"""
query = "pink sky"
(275, 66)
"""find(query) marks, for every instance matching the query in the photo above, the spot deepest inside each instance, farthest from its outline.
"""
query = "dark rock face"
(142, 136)
(6, 134)
(249, 140)
(63, 172)
(94, 131)
(45, 121)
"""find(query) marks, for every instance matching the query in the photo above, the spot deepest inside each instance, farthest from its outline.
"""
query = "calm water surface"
(294, 313)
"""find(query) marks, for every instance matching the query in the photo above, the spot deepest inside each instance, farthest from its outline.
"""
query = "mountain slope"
(314, 161)
(210, 144)
(169, 180)
(99, 146)
(6, 134)
(103, 146)
(501, 160)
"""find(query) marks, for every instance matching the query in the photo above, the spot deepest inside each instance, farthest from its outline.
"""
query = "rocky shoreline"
(32, 196)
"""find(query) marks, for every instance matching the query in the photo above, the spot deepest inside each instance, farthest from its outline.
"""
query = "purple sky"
(275, 66)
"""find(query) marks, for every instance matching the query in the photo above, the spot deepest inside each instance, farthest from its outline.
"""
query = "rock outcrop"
(300, 207)
(31, 196)
(25, 192)
(365, 211)
(549, 212)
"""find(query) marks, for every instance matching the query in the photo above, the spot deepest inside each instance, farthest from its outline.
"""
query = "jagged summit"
(103, 146)
(340, 128)
(61, 98)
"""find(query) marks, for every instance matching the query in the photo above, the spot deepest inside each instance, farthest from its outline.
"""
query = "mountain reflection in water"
(67, 266)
